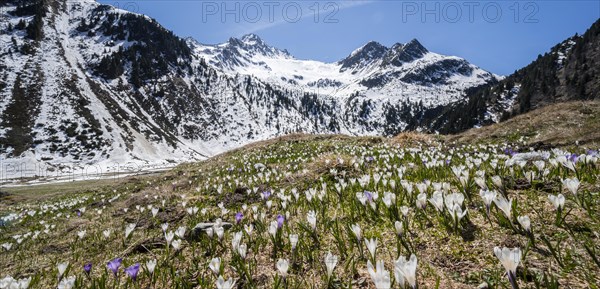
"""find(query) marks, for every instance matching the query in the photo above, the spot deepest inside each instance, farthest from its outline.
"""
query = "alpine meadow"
(133, 157)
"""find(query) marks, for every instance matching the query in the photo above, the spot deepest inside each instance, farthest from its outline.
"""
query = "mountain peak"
(250, 41)
(251, 38)
(247, 40)
(363, 56)
(404, 53)
(369, 46)
(415, 46)
(243, 51)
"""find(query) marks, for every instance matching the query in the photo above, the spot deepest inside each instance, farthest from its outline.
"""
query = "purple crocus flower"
(133, 270)
(447, 162)
(87, 268)
(573, 158)
(280, 220)
(266, 194)
(78, 213)
(238, 217)
(114, 265)
(369, 196)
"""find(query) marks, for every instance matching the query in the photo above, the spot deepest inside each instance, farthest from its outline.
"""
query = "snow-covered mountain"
(403, 73)
(83, 83)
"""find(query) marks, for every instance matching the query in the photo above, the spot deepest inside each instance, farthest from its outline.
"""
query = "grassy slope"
(455, 260)
(560, 124)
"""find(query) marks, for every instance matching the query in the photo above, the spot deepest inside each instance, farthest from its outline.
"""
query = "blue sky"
(500, 36)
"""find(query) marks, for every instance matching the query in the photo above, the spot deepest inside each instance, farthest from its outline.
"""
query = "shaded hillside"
(569, 71)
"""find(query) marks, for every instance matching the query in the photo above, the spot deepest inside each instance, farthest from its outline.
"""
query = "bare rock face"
(201, 228)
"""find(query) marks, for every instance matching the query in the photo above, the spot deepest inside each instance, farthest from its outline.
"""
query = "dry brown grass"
(411, 139)
(558, 124)
(290, 138)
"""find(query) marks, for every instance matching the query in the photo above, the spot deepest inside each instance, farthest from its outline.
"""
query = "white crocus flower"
(404, 210)
(220, 231)
(488, 197)
(7, 246)
(421, 201)
(510, 259)
(457, 213)
(399, 228)
(209, 232)
(330, 263)
(371, 246)
(504, 205)
(282, 267)
(357, 232)
(311, 217)
(249, 228)
(215, 265)
(568, 164)
(422, 187)
(9, 282)
(273, 228)
(169, 237)
(408, 187)
(454, 199)
(242, 249)
(388, 199)
(406, 270)
(236, 240)
(572, 184)
(480, 182)
(128, 229)
(67, 283)
(362, 198)
(293, 241)
(176, 244)
(225, 284)
(379, 275)
(539, 165)
(557, 201)
(497, 180)
(525, 222)
(464, 180)
(180, 232)
(151, 265)
(437, 200)
(62, 267)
